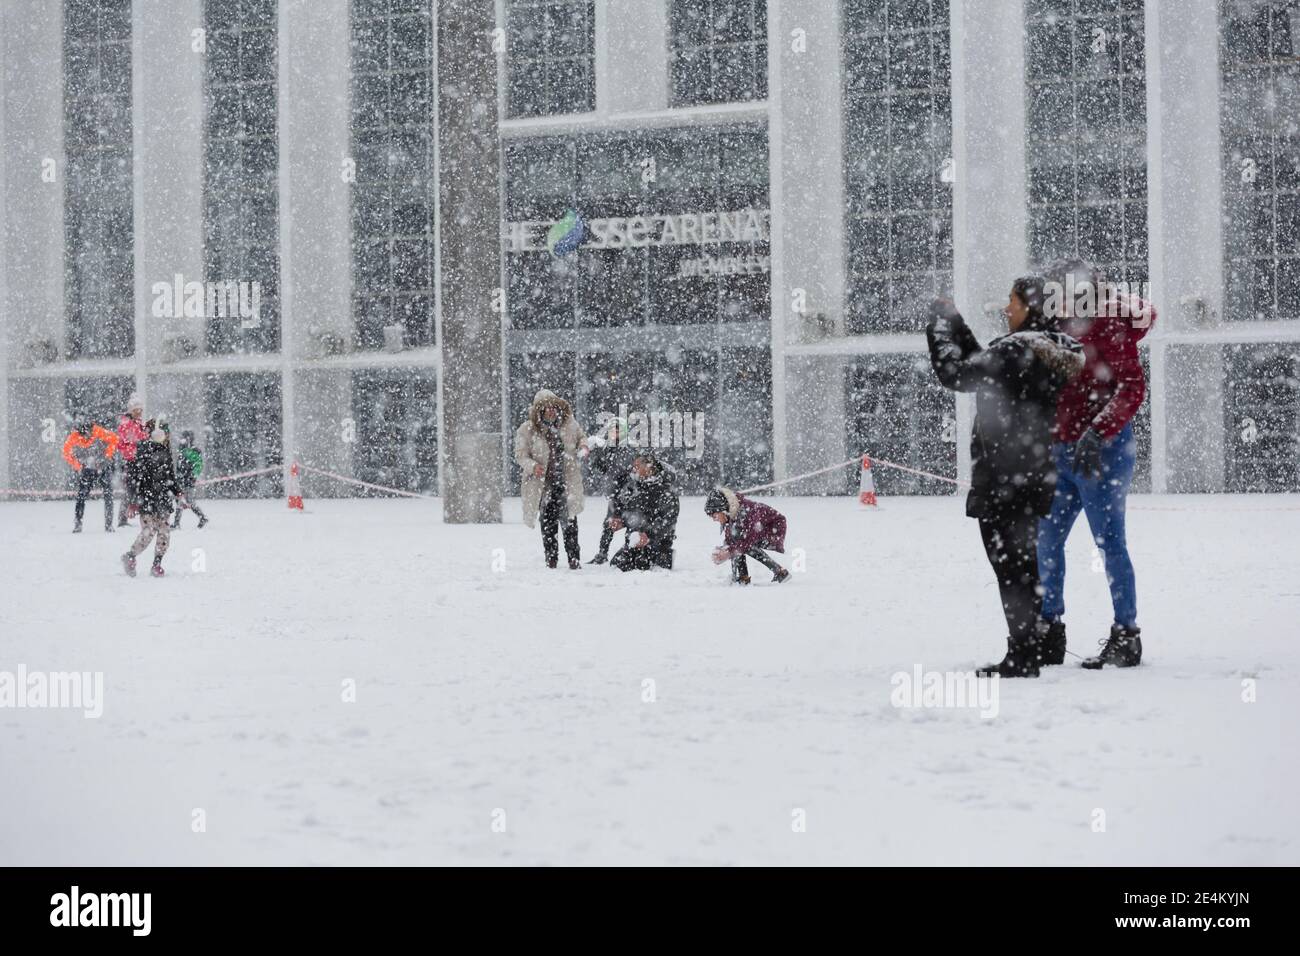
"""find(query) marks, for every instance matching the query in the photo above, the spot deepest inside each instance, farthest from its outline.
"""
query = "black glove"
(1087, 456)
(946, 324)
(944, 308)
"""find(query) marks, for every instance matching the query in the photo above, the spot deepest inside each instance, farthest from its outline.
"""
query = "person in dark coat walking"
(610, 459)
(156, 486)
(749, 530)
(1017, 381)
(646, 506)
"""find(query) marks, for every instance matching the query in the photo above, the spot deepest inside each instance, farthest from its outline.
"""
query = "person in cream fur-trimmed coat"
(552, 486)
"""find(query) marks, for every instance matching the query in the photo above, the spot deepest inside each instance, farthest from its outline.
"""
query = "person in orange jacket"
(89, 449)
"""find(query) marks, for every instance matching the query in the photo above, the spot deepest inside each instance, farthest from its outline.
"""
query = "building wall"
(899, 158)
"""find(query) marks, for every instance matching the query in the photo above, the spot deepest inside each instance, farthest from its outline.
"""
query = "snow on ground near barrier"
(490, 690)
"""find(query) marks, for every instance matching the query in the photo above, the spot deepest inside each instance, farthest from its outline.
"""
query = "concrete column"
(6, 323)
(469, 256)
(315, 202)
(632, 71)
(818, 436)
(1184, 210)
(167, 130)
(990, 193)
(31, 36)
(315, 226)
(806, 160)
(324, 406)
(31, 232)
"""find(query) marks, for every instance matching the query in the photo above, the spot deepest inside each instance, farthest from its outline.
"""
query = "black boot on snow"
(1051, 647)
(780, 576)
(599, 558)
(1021, 660)
(76, 528)
(1122, 649)
(203, 519)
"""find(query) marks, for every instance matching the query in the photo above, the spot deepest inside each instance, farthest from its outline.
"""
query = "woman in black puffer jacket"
(1016, 381)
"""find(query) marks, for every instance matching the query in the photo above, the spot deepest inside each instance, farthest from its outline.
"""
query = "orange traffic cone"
(294, 489)
(867, 484)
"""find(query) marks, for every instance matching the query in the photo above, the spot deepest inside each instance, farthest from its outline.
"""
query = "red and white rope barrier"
(855, 460)
(364, 484)
(96, 493)
(243, 474)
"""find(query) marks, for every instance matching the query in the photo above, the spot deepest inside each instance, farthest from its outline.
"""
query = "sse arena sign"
(680, 229)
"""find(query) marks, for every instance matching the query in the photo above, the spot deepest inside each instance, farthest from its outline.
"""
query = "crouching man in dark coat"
(646, 506)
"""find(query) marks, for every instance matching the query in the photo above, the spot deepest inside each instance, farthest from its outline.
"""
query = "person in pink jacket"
(749, 529)
(130, 432)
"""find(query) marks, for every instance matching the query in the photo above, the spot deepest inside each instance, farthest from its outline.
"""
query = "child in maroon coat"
(748, 528)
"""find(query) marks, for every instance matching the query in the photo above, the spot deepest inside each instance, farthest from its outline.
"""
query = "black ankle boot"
(1122, 649)
(1052, 644)
(1021, 660)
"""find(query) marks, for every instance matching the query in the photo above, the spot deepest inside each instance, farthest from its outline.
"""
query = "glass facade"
(98, 212)
(899, 412)
(718, 51)
(1261, 417)
(243, 433)
(396, 414)
(241, 220)
(393, 196)
(898, 165)
(551, 62)
(662, 307)
(1259, 111)
(101, 399)
(1085, 92)
(635, 268)
(1142, 434)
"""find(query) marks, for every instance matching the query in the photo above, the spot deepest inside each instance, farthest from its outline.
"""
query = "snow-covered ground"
(489, 690)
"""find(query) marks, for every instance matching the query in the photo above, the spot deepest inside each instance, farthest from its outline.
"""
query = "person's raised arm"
(955, 354)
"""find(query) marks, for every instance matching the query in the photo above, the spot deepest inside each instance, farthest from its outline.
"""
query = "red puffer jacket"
(129, 434)
(1108, 392)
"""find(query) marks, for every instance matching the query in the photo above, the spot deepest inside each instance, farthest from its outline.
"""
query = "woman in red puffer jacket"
(131, 431)
(1095, 454)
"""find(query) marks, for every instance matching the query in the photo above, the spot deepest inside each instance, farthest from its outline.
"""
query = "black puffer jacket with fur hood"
(1017, 380)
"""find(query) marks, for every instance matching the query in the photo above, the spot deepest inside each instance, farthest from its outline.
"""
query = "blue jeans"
(1104, 501)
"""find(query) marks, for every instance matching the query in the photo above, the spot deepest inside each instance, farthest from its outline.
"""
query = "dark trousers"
(740, 567)
(1011, 543)
(606, 532)
(553, 508)
(658, 553)
(87, 479)
(189, 503)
